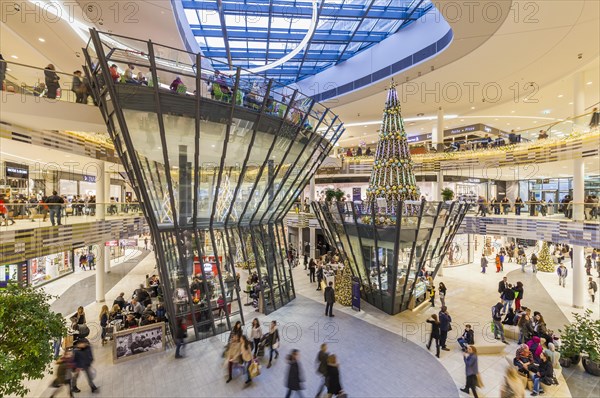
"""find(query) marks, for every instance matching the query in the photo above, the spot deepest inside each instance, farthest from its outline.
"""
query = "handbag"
(479, 381)
(276, 345)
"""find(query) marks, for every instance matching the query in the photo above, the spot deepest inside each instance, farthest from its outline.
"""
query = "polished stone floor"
(380, 355)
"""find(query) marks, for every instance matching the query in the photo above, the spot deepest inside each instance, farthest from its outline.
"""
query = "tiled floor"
(380, 355)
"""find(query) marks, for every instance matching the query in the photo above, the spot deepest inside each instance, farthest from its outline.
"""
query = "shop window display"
(44, 269)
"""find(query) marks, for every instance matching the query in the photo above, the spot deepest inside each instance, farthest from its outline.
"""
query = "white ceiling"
(544, 52)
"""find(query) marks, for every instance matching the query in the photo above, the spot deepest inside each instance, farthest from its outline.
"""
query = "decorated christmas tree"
(545, 262)
(392, 177)
(343, 287)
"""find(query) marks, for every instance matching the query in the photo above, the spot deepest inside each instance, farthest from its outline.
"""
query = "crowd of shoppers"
(55, 207)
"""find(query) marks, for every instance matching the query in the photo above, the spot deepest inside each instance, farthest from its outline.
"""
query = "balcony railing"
(45, 84)
(17, 216)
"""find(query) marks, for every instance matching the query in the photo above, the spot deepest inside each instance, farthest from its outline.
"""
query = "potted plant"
(590, 342)
(570, 345)
(447, 194)
(330, 194)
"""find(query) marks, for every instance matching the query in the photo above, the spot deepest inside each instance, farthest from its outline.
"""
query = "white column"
(435, 188)
(311, 190)
(437, 195)
(100, 273)
(101, 192)
(578, 189)
(579, 288)
(313, 241)
(106, 259)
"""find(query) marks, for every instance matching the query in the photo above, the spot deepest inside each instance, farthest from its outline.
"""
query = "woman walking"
(256, 334)
(246, 350)
(295, 377)
(51, 79)
(103, 322)
(273, 342)
(470, 358)
(498, 264)
(435, 334)
(334, 386)
(442, 289)
(233, 354)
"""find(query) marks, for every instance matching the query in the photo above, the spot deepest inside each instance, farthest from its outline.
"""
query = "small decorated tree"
(545, 262)
(343, 288)
(27, 324)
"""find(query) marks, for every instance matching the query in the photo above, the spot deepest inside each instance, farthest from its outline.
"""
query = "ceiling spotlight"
(42, 39)
(512, 111)
(589, 83)
(14, 56)
(570, 103)
(472, 107)
(560, 95)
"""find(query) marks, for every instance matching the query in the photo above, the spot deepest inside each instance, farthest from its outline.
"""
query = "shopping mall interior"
(190, 188)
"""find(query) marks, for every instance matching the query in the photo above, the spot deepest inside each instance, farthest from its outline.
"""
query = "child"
(432, 295)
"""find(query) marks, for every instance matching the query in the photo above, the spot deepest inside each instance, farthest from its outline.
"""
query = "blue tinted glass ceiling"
(251, 33)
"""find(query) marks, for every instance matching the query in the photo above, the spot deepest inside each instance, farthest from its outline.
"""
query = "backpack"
(594, 286)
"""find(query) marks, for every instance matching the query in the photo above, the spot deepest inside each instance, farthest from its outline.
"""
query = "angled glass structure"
(216, 163)
(387, 253)
(250, 33)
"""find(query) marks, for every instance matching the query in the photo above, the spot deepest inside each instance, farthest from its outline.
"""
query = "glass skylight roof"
(251, 33)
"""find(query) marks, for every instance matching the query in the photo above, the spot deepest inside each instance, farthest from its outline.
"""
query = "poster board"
(138, 342)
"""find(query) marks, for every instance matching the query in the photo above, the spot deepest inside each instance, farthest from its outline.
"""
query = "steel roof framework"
(250, 33)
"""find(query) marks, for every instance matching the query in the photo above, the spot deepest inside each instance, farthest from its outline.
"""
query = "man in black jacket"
(83, 361)
(329, 299)
(321, 360)
(502, 285)
(55, 203)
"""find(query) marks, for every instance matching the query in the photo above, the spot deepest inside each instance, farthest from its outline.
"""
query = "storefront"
(460, 252)
(15, 179)
(553, 190)
(46, 268)
(13, 273)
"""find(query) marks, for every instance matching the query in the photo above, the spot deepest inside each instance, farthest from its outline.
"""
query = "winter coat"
(435, 328)
(295, 377)
(322, 360)
(83, 357)
(333, 380)
(329, 295)
(445, 320)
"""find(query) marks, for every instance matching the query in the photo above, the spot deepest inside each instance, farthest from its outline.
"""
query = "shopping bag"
(479, 381)
(254, 369)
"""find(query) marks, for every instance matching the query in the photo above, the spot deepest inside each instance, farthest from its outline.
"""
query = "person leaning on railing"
(51, 79)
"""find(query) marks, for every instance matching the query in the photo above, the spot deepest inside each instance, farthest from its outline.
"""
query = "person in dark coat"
(445, 320)
(295, 377)
(51, 81)
(435, 334)
(329, 299)
(322, 366)
(319, 276)
(2, 72)
(334, 387)
(311, 270)
(467, 338)
(83, 361)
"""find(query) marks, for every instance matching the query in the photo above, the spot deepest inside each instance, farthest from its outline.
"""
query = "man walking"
(329, 299)
(562, 272)
(484, 263)
(311, 270)
(498, 327)
(83, 361)
(445, 320)
(592, 288)
(319, 276)
(321, 361)
(55, 203)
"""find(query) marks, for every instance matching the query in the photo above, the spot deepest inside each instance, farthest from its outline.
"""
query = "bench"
(528, 383)
(489, 348)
